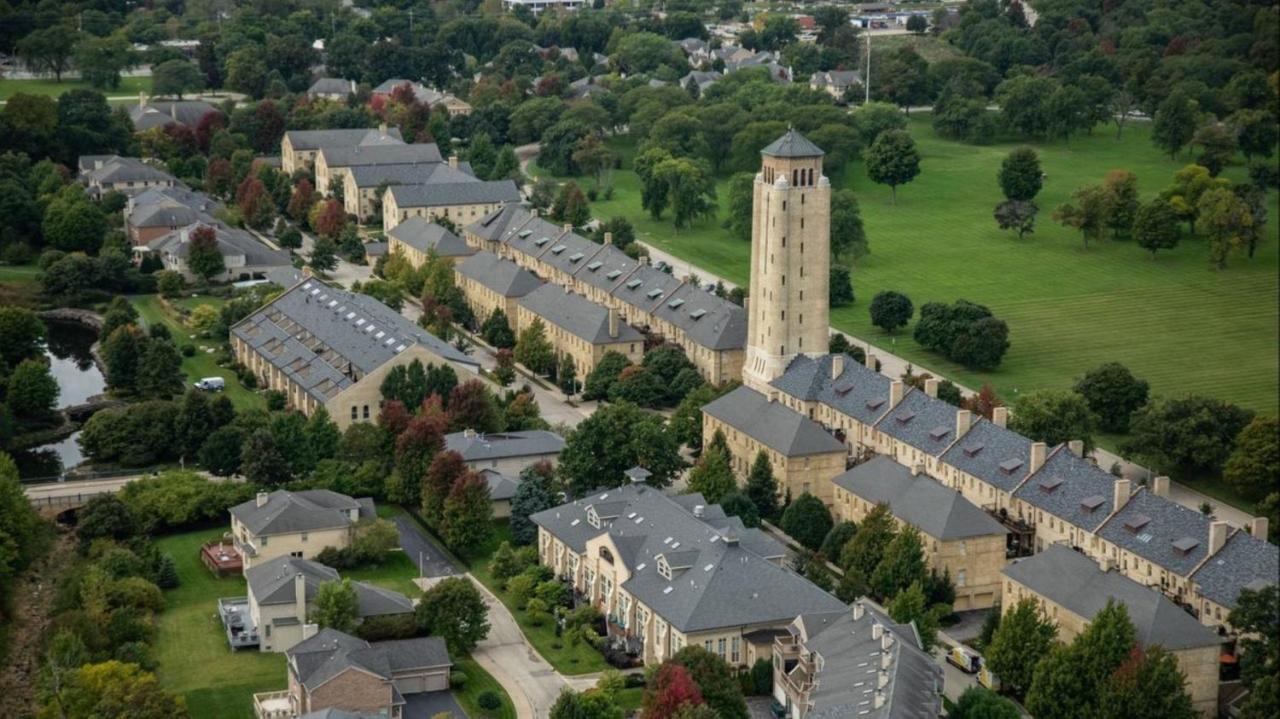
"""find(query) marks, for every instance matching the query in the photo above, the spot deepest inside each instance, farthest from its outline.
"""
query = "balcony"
(242, 633)
(273, 705)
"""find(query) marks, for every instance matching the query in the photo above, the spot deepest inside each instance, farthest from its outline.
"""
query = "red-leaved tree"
(669, 690)
(394, 417)
(304, 196)
(445, 470)
(331, 219)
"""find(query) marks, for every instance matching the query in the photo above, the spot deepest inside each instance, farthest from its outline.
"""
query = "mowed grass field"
(1175, 321)
(129, 86)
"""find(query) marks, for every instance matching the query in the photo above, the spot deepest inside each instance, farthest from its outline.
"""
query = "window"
(707, 645)
(960, 578)
(366, 411)
(735, 651)
(304, 536)
(720, 647)
(353, 412)
(296, 555)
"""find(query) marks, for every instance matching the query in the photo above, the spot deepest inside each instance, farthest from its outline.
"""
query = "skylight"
(634, 284)
(557, 249)
(654, 294)
(595, 265)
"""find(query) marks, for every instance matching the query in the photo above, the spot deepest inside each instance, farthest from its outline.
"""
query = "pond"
(71, 363)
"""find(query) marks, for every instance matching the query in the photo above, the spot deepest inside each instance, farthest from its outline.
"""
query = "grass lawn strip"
(128, 86)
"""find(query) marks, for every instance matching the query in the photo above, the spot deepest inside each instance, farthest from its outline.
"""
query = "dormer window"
(606, 555)
(1050, 484)
(634, 284)
(1091, 504)
(592, 518)
(1186, 545)
(973, 450)
(664, 569)
(595, 265)
(905, 418)
(697, 314)
(1136, 522)
(938, 433)
(875, 403)
(843, 387)
(1009, 466)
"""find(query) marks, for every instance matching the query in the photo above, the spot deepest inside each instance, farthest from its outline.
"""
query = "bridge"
(71, 491)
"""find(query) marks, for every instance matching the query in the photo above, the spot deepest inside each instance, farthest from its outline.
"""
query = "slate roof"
(380, 154)
(316, 139)
(792, 144)
(332, 86)
(273, 582)
(126, 169)
(455, 193)
(859, 392)
(924, 422)
(835, 78)
(324, 656)
(703, 79)
(706, 319)
(1244, 562)
(158, 113)
(501, 486)
(772, 424)
(726, 583)
(167, 214)
(1166, 523)
(231, 242)
(936, 510)
(576, 315)
(176, 194)
(478, 447)
(613, 269)
(493, 225)
(332, 713)
(646, 287)
(426, 236)
(288, 512)
(1072, 580)
(421, 93)
(1062, 485)
(502, 276)
(993, 454)
(325, 338)
(851, 656)
(418, 173)
(570, 253)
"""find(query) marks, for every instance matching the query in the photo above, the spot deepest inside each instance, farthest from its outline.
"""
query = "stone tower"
(790, 259)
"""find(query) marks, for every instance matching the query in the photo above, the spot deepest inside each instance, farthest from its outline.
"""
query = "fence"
(66, 500)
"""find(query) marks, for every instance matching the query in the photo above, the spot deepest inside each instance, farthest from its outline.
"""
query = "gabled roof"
(772, 424)
(613, 269)
(478, 447)
(576, 315)
(1172, 536)
(426, 236)
(706, 319)
(380, 154)
(998, 456)
(646, 287)
(492, 226)
(455, 193)
(1072, 580)
(918, 500)
(858, 391)
(316, 139)
(418, 173)
(1244, 562)
(1064, 483)
(792, 144)
(501, 486)
(924, 422)
(231, 243)
(329, 653)
(286, 512)
(158, 113)
(501, 276)
(332, 86)
(274, 582)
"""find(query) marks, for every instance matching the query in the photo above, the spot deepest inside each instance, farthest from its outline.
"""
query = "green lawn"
(478, 682)
(1174, 321)
(19, 273)
(580, 659)
(202, 364)
(130, 86)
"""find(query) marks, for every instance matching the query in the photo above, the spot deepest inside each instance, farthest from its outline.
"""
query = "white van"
(211, 384)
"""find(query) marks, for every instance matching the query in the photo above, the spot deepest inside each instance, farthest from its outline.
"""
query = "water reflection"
(71, 363)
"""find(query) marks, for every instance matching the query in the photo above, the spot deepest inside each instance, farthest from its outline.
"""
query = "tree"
(893, 160)
(336, 606)
(72, 223)
(612, 440)
(496, 330)
(571, 206)
(863, 553)
(873, 119)
(21, 334)
(203, 257)
(534, 350)
(1054, 417)
(1155, 227)
(1020, 176)
(1188, 436)
(840, 287)
(1148, 685)
(762, 488)
(1254, 463)
(1113, 395)
(691, 191)
(1080, 670)
(454, 610)
(445, 470)
(712, 476)
(159, 374)
(716, 681)
(1254, 617)
(601, 379)
(1175, 122)
(902, 564)
(917, 25)
(1121, 187)
(468, 513)
(891, 310)
(101, 60)
(848, 237)
(262, 461)
(1024, 637)
(1218, 145)
(1087, 212)
(534, 494)
(1227, 220)
(1189, 185)
(807, 521)
(835, 540)
(49, 50)
(740, 191)
(473, 406)
(176, 77)
(1018, 216)
(114, 690)
(981, 703)
(324, 255)
(32, 391)
(737, 504)
(668, 690)
(910, 605)
(120, 354)
(567, 375)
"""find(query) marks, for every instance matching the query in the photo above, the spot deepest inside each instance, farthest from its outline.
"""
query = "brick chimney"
(1038, 452)
(931, 387)
(1218, 532)
(613, 323)
(453, 161)
(1160, 486)
(877, 631)
(1258, 527)
(1120, 494)
(608, 238)
(300, 596)
(964, 420)
(858, 610)
(871, 361)
(895, 393)
(1077, 447)
(1000, 416)
(837, 366)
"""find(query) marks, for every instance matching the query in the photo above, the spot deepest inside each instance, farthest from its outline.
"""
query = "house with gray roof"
(703, 79)
(333, 163)
(297, 524)
(855, 663)
(835, 82)
(917, 430)
(362, 183)
(333, 670)
(1159, 543)
(326, 347)
(989, 462)
(298, 148)
(958, 537)
(151, 113)
(1067, 499)
(578, 327)
(332, 88)
(840, 393)
(489, 283)
(417, 238)
(282, 593)
(670, 572)
(509, 452)
(502, 489)
(160, 210)
(1244, 560)
(1072, 589)
(127, 175)
(458, 202)
(433, 99)
(244, 256)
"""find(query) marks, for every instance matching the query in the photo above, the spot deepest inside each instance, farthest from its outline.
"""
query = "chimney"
(613, 323)
(1077, 447)
(1160, 487)
(1038, 451)
(1000, 416)
(931, 387)
(895, 393)
(453, 161)
(608, 238)
(886, 642)
(568, 227)
(300, 595)
(964, 419)
(837, 366)
(882, 679)
(1258, 527)
(262, 498)
(1120, 494)
(880, 700)
(1217, 536)
(871, 362)
(309, 630)
(382, 129)
(535, 212)
(886, 657)
(858, 610)
(877, 631)
(699, 511)
(469, 433)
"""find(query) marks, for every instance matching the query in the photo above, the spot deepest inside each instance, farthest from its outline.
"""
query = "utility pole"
(867, 80)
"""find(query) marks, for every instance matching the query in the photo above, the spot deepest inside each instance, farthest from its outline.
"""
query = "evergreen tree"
(159, 373)
(910, 605)
(807, 521)
(864, 552)
(322, 435)
(738, 504)
(902, 564)
(262, 461)
(534, 350)
(533, 494)
(761, 488)
(567, 375)
(601, 379)
(496, 330)
(712, 476)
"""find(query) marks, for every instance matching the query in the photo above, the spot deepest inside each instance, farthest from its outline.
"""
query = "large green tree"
(893, 160)
(1020, 176)
(50, 49)
(807, 520)
(1155, 227)
(1113, 395)
(175, 78)
(1186, 436)
(336, 606)
(1054, 417)
(715, 679)
(1254, 464)
(712, 476)
(1024, 637)
(1081, 669)
(454, 610)
(611, 441)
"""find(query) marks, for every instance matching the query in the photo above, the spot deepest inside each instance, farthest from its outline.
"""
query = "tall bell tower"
(790, 259)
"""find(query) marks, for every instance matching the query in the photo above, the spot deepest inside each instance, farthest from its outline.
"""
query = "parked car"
(965, 659)
(211, 384)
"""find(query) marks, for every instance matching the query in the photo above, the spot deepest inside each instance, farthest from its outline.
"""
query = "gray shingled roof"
(1244, 562)
(127, 169)
(455, 193)
(158, 113)
(502, 276)
(725, 584)
(924, 422)
(421, 93)
(332, 713)
(378, 154)
(478, 447)
(772, 424)
(990, 452)
(1064, 483)
(231, 242)
(287, 512)
(492, 226)
(577, 315)
(706, 319)
(418, 173)
(1150, 526)
(426, 236)
(646, 287)
(169, 214)
(1072, 580)
(316, 139)
(918, 500)
(329, 653)
(609, 268)
(851, 658)
(173, 195)
(273, 582)
(501, 486)
(332, 86)
(859, 392)
(570, 253)
(792, 144)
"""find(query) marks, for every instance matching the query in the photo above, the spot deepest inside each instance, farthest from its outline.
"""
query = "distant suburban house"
(332, 88)
(157, 211)
(502, 489)
(127, 175)
(336, 671)
(458, 202)
(488, 282)
(506, 452)
(244, 256)
(835, 82)
(537, 6)
(282, 591)
(433, 99)
(298, 148)
(157, 112)
(325, 347)
(295, 524)
(700, 78)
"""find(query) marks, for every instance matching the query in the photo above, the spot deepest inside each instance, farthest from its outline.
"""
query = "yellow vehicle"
(987, 679)
(965, 659)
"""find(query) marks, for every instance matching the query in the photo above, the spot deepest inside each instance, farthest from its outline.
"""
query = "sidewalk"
(892, 365)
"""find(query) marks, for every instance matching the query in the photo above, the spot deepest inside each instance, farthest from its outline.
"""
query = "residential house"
(332, 88)
(990, 461)
(703, 79)
(577, 327)
(1244, 560)
(488, 283)
(244, 257)
(416, 239)
(502, 489)
(151, 113)
(298, 148)
(1067, 500)
(458, 202)
(326, 347)
(917, 430)
(127, 175)
(158, 211)
(431, 98)
(363, 183)
(506, 452)
(295, 524)
(835, 82)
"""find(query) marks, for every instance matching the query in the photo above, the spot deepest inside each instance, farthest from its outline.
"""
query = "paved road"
(530, 681)
(893, 365)
(430, 560)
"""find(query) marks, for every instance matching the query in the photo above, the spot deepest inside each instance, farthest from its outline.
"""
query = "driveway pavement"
(430, 560)
(429, 704)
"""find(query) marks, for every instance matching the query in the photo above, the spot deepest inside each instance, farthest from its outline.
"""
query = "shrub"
(489, 700)
(457, 679)
(188, 350)
(395, 626)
